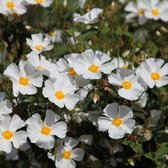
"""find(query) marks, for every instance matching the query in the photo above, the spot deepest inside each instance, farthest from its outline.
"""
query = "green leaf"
(162, 150)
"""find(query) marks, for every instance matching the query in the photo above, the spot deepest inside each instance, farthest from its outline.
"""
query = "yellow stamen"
(66, 155)
(40, 67)
(155, 76)
(45, 130)
(38, 47)
(23, 81)
(126, 85)
(72, 72)
(7, 135)
(52, 34)
(39, 1)
(125, 66)
(10, 5)
(93, 68)
(117, 122)
(59, 95)
(155, 12)
(140, 11)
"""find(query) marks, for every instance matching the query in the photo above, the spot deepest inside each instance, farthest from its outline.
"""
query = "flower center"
(126, 85)
(40, 67)
(140, 11)
(155, 12)
(23, 81)
(72, 72)
(59, 95)
(66, 155)
(117, 122)
(52, 33)
(125, 66)
(45, 130)
(39, 1)
(93, 68)
(10, 5)
(38, 47)
(155, 76)
(7, 135)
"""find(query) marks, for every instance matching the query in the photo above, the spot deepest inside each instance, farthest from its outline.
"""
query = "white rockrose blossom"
(67, 154)
(87, 139)
(83, 92)
(44, 3)
(67, 66)
(155, 116)
(38, 43)
(120, 62)
(90, 17)
(81, 3)
(73, 40)
(91, 64)
(56, 36)
(156, 9)
(117, 120)
(24, 78)
(5, 107)
(132, 86)
(14, 154)
(61, 91)
(10, 7)
(9, 134)
(42, 132)
(140, 35)
(2, 96)
(137, 10)
(143, 100)
(122, 1)
(154, 72)
(40, 63)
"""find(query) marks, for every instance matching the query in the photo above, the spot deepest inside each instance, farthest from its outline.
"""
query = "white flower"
(14, 154)
(136, 10)
(67, 66)
(122, 1)
(42, 133)
(79, 116)
(90, 64)
(120, 63)
(39, 44)
(12, 7)
(56, 36)
(140, 35)
(5, 108)
(116, 120)
(61, 92)
(155, 9)
(2, 95)
(66, 154)
(132, 86)
(83, 92)
(155, 116)
(73, 40)
(44, 3)
(89, 18)
(143, 100)
(9, 133)
(24, 78)
(153, 72)
(81, 3)
(87, 139)
(40, 63)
